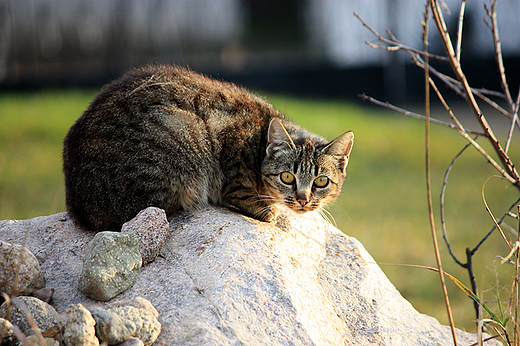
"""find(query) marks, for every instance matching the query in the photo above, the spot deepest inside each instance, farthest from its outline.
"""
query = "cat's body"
(167, 137)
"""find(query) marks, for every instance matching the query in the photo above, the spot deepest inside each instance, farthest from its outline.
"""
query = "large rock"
(222, 278)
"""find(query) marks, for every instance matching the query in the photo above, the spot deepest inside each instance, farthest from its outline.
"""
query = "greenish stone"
(110, 266)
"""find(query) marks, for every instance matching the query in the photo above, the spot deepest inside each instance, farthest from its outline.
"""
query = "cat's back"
(141, 89)
(159, 136)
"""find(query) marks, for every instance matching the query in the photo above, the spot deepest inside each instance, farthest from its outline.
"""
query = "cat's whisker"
(325, 214)
(267, 198)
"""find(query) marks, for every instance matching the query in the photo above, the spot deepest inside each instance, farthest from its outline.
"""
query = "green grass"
(383, 203)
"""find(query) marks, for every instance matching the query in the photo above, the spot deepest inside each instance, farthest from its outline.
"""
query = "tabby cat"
(168, 137)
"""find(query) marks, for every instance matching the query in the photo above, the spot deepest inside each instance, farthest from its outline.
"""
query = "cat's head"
(302, 174)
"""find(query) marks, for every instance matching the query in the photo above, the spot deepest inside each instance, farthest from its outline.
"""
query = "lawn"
(383, 203)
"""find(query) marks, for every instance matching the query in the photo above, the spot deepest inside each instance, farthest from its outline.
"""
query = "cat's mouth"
(302, 210)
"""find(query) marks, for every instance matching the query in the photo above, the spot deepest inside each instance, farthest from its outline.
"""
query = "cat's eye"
(321, 181)
(287, 177)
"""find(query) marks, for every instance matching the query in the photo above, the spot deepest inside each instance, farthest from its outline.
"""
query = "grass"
(383, 204)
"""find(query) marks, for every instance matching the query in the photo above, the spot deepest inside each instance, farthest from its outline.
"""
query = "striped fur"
(167, 137)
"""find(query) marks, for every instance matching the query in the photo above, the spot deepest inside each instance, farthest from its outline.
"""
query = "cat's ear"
(277, 137)
(341, 148)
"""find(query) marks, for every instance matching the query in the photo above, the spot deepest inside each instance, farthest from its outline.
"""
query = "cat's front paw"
(269, 215)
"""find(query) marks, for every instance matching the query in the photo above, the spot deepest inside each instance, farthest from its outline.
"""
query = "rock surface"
(111, 264)
(15, 259)
(222, 278)
(151, 228)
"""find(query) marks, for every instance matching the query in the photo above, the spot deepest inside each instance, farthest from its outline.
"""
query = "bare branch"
(464, 134)
(448, 108)
(388, 105)
(428, 170)
(443, 220)
(448, 46)
(452, 83)
(457, 86)
(495, 222)
(387, 48)
(494, 227)
(514, 121)
(459, 32)
(498, 52)
(394, 44)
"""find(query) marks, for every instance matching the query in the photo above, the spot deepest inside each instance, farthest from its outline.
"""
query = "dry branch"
(457, 69)
(498, 51)
(427, 83)
(460, 86)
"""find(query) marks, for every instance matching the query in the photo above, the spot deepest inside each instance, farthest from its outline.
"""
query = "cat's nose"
(303, 200)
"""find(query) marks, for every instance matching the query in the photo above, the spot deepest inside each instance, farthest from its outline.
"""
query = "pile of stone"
(111, 264)
(208, 278)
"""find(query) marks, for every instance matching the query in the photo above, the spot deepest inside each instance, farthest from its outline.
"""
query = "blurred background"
(309, 58)
(302, 47)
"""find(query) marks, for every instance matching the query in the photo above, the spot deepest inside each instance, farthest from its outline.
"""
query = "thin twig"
(455, 85)
(513, 122)
(463, 133)
(445, 38)
(395, 45)
(428, 173)
(471, 274)
(443, 193)
(451, 82)
(492, 14)
(493, 217)
(459, 32)
(388, 105)
(515, 325)
(471, 140)
(459, 127)
(498, 51)
(494, 227)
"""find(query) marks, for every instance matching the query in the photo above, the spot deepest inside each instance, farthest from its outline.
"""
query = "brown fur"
(167, 137)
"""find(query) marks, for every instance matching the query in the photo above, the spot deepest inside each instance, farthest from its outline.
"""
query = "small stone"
(43, 314)
(36, 341)
(112, 328)
(140, 303)
(110, 266)
(151, 228)
(17, 260)
(79, 329)
(6, 331)
(132, 342)
(148, 328)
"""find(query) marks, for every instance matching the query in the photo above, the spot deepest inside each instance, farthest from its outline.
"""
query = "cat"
(165, 136)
